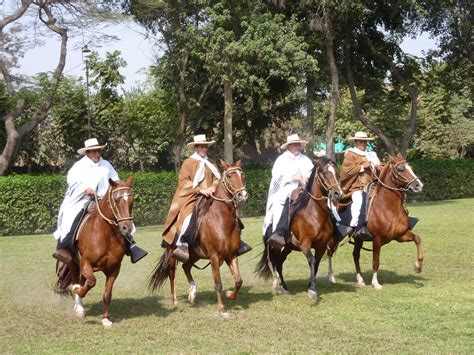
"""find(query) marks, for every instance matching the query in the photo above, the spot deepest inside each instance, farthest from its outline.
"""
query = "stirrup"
(63, 255)
(181, 253)
(243, 248)
(137, 253)
(277, 241)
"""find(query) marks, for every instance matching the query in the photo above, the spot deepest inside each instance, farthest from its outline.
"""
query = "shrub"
(30, 203)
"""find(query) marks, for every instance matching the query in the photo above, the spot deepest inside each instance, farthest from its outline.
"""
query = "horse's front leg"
(192, 285)
(234, 270)
(215, 265)
(330, 253)
(356, 256)
(409, 236)
(107, 296)
(87, 274)
(312, 293)
(377, 245)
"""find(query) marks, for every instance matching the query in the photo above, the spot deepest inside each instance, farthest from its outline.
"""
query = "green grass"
(431, 312)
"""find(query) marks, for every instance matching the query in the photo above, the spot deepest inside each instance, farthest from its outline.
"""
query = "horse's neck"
(222, 194)
(391, 200)
(318, 192)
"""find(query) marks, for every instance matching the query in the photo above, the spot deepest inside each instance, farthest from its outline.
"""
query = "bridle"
(113, 206)
(323, 184)
(229, 189)
(396, 176)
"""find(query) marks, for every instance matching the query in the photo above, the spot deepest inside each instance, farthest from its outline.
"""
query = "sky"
(136, 49)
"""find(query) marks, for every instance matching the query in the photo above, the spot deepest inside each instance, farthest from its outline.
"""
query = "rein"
(228, 188)
(324, 185)
(397, 177)
(113, 207)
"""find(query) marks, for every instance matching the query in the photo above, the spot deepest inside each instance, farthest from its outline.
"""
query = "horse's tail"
(64, 278)
(161, 272)
(263, 267)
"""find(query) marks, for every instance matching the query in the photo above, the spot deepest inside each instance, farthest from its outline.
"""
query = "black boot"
(243, 248)
(277, 241)
(133, 250)
(363, 234)
(63, 255)
(181, 253)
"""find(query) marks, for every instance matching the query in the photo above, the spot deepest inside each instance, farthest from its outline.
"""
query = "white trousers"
(274, 211)
(183, 228)
(355, 207)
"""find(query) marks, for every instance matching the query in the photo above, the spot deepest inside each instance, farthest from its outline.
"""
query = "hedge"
(29, 203)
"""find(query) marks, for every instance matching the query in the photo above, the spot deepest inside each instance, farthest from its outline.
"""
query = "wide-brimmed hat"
(360, 136)
(200, 139)
(91, 144)
(294, 138)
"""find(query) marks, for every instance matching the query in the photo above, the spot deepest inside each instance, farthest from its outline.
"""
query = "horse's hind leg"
(408, 237)
(107, 296)
(172, 277)
(377, 245)
(280, 258)
(330, 253)
(234, 270)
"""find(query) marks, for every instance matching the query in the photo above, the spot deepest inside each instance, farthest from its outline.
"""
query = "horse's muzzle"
(125, 228)
(416, 186)
(241, 196)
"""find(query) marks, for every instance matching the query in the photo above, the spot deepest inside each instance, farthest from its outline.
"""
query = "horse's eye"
(401, 168)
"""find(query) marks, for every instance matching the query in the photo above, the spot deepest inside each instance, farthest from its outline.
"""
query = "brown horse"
(387, 217)
(311, 226)
(101, 246)
(218, 236)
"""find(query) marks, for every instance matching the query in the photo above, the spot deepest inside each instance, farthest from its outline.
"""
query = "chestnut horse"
(311, 226)
(218, 236)
(387, 217)
(100, 247)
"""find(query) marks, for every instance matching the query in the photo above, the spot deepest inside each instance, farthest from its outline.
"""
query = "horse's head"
(233, 179)
(121, 204)
(328, 177)
(402, 174)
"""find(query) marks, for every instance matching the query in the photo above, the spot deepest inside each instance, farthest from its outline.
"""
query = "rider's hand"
(206, 192)
(89, 192)
(366, 164)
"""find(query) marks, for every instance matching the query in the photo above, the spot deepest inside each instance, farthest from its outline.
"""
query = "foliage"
(29, 203)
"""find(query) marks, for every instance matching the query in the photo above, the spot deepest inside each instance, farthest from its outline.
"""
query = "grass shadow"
(323, 286)
(127, 308)
(386, 278)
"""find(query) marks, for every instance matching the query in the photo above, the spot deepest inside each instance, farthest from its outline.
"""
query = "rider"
(88, 177)
(356, 174)
(197, 176)
(291, 169)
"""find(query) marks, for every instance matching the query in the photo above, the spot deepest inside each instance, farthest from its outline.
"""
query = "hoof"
(282, 291)
(377, 286)
(175, 302)
(230, 295)
(224, 315)
(72, 288)
(360, 280)
(313, 295)
(417, 268)
(79, 311)
(106, 323)
(331, 279)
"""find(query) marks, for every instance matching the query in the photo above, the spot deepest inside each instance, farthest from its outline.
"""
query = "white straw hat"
(294, 138)
(200, 139)
(91, 144)
(360, 136)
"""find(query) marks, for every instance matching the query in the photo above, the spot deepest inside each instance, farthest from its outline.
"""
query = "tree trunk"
(228, 109)
(357, 106)
(310, 85)
(334, 89)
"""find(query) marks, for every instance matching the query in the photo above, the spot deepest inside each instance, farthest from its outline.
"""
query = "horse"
(311, 225)
(101, 245)
(387, 217)
(218, 235)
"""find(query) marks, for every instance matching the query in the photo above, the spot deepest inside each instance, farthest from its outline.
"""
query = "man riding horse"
(198, 176)
(88, 177)
(356, 174)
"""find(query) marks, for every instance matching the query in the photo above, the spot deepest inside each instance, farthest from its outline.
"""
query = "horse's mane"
(200, 209)
(303, 198)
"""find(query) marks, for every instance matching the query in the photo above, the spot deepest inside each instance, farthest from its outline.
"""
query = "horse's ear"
(317, 161)
(239, 163)
(224, 164)
(129, 181)
(111, 182)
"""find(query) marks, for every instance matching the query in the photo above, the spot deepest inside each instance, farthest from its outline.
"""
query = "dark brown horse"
(387, 216)
(101, 246)
(311, 226)
(218, 238)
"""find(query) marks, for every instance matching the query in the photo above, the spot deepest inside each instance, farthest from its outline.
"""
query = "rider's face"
(362, 145)
(94, 155)
(294, 148)
(201, 149)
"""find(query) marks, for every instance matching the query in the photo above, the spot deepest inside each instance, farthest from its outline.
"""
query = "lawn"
(431, 312)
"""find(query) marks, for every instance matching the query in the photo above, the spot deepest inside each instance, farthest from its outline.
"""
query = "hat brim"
(83, 151)
(284, 145)
(192, 144)
(360, 139)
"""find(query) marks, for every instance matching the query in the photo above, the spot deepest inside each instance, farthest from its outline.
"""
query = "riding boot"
(363, 234)
(181, 253)
(342, 233)
(243, 248)
(277, 241)
(133, 250)
(63, 255)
